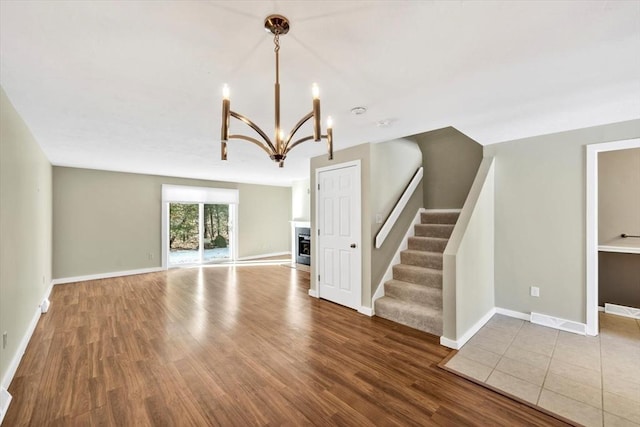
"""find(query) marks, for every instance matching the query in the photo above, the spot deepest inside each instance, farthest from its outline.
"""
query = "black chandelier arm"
(295, 129)
(255, 141)
(256, 128)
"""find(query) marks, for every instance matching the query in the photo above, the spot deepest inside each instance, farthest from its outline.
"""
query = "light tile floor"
(594, 381)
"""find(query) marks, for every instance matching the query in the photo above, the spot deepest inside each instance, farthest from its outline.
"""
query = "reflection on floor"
(594, 381)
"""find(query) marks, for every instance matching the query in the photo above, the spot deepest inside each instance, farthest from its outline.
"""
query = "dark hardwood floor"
(236, 346)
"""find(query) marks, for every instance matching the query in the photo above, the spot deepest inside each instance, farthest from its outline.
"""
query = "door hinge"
(318, 277)
(318, 231)
(318, 186)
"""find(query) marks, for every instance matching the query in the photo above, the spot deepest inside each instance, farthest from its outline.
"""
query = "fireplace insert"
(303, 245)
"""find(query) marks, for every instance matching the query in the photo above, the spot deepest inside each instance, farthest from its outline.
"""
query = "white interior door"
(338, 222)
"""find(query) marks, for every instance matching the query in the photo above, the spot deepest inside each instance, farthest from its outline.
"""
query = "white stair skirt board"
(404, 244)
(557, 323)
(5, 400)
(367, 311)
(622, 310)
(105, 275)
(457, 344)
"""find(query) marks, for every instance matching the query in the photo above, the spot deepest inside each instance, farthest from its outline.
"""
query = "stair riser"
(426, 323)
(434, 230)
(423, 259)
(431, 297)
(427, 244)
(439, 217)
(425, 278)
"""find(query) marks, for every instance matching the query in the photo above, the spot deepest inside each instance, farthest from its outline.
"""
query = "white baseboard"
(441, 210)
(367, 311)
(314, 293)
(247, 258)
(622, 310)
(105, 275)
(514, 314)
(600, 308)
(5, 400)
(457, 344)
(17, 357)
(558, 323)
(22, 347)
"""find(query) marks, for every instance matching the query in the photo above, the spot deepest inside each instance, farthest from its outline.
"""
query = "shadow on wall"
(450, 160)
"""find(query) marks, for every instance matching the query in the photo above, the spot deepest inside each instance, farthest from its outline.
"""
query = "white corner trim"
(314, 293)
(558, 323)
(105, 275)
(269, 255)
(388, 274)
(5, 400)
(367, 311)
(457, 344)
(622, 310)
(449, 343)
(514, 314)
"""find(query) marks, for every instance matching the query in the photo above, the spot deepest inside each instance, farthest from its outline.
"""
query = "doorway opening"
(592, 226)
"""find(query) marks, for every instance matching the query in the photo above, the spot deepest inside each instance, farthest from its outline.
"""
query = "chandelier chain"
(276, 41)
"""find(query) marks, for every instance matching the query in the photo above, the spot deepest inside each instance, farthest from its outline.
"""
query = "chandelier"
(279, 148)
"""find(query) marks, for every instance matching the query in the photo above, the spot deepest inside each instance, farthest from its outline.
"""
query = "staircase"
(414, 296)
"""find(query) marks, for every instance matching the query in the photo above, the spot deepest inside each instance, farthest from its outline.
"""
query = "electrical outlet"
(150, 256)
(4, 340)
(379, 219)
(535, 291)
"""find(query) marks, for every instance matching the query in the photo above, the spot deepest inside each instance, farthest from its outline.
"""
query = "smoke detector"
(358, 110)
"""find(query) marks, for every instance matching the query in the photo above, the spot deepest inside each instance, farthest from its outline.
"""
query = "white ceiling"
(135, 86)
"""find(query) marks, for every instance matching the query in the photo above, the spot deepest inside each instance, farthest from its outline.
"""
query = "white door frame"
(358, 227)
(592, 225)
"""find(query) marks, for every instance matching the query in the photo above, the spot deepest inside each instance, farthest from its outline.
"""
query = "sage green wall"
(468, 291)
(540, 219)
(360, 152)
(450, 160)
(107, 222)
(263, 217)
(25, 230)
(393, 164)
(300, 200)
(618, 194)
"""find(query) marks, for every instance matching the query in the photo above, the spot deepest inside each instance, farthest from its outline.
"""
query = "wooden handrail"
(398, 208)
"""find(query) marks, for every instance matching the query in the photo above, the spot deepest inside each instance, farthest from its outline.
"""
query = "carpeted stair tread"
(411, 292)
(434, 230)
(418, 275)
(429, 244)
(417, 316)
(422, 258)
(439, 217)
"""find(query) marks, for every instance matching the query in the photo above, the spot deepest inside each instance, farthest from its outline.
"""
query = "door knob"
(353, 245)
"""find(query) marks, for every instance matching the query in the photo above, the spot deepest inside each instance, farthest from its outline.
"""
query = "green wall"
(25, 230)
(107, 222)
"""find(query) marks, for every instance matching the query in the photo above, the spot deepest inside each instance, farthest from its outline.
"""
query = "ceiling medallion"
(277, 25)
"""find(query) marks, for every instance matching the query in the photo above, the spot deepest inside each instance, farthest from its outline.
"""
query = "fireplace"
(303, 245)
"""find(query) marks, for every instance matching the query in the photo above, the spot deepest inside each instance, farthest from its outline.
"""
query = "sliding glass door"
(216, 232)
(199, 232)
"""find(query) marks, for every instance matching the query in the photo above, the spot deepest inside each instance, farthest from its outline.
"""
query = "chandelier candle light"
(277, 25)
